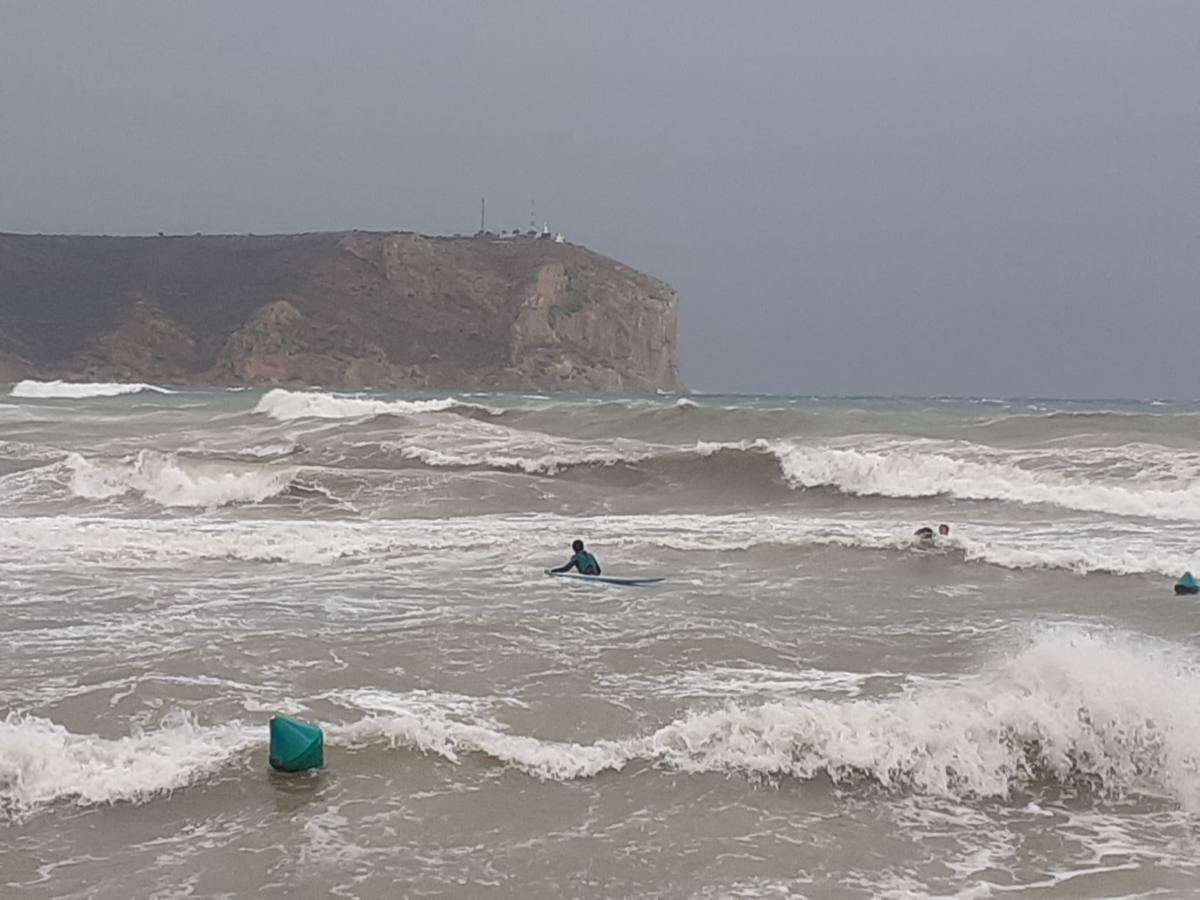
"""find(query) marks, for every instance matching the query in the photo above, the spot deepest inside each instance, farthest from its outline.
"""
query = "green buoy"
(296, 746)
(1187, 584)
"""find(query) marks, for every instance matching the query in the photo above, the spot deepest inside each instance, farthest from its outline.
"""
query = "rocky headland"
(341, 309)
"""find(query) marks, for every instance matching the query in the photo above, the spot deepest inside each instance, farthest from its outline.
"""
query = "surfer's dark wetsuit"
(925, 535)
(583, 561)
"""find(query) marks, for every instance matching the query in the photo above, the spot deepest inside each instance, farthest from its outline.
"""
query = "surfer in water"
(925, 534)
(582, 560)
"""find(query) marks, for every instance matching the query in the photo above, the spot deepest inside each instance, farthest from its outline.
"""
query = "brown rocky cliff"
(596, 330)
(345, 310)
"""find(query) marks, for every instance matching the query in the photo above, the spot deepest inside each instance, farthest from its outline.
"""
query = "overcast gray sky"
(971, 198)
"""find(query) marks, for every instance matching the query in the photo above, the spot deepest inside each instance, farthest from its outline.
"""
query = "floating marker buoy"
(296, 746)
(1187, 584)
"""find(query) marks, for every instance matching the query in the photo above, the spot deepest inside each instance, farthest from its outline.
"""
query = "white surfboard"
(605, 579)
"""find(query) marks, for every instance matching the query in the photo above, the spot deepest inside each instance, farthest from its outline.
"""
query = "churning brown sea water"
(810, 705)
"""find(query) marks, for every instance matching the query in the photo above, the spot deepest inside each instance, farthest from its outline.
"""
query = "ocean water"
(811, 705)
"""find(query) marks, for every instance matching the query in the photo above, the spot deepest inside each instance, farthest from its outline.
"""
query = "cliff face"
(345, 310)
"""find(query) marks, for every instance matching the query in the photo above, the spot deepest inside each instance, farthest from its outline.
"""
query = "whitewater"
(812, 704)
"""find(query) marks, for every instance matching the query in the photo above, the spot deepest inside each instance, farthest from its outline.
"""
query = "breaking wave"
(915, 473)
(42, 762)
(79, 390)
(169, 480)
(1081, 710)
(1077, 710)
(551, 462)
(286, 406)
(1141, 481)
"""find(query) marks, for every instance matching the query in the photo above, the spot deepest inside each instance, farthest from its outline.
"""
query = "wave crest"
(1079, 710)
(79, 390)
(905, 472)
(169, 480)
(42, 762)
(286, 406)
(1136, 480)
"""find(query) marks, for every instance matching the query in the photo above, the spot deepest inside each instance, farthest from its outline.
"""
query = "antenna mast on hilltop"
(482, 211)
(532, 217)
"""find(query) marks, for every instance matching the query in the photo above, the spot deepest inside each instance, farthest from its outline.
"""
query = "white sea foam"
(1115, 555)
(286, 406)
(433, 704)
(1086, 709)
(85, 540)
(170, 480)
(438, 734)
(1138, 480)
(26, 451)
(74, 390)
(73, 541)
(553, 460)
(456, 442)
(913, 472)
(748, 681)
(41, 762)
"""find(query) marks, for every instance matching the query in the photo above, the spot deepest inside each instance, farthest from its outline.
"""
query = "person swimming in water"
(925, 534)
(582, 560)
